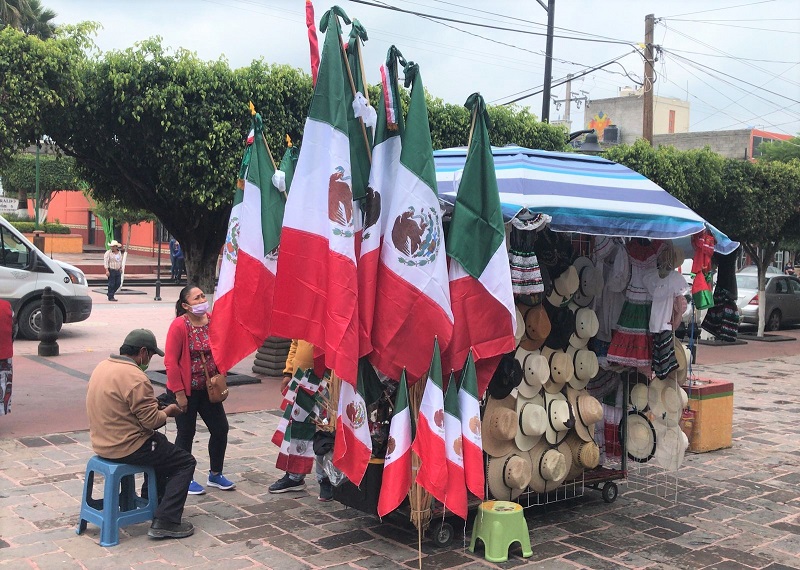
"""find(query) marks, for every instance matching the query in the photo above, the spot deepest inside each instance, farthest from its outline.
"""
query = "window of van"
(13, 253)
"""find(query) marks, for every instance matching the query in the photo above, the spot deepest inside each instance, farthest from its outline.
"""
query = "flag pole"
(353, 89)
(472, 126)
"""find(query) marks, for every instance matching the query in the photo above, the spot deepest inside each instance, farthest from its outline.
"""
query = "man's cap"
(145, 338)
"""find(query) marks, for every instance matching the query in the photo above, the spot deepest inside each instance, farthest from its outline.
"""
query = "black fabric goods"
(562, 326)
(507, 377)
(664, 360)
(322, 442)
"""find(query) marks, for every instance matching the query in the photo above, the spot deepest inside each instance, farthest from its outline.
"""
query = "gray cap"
(145, 338)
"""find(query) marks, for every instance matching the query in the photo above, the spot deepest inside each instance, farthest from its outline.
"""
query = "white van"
(25, 272)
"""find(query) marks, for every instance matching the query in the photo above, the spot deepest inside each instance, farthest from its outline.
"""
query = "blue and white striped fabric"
(582, 193)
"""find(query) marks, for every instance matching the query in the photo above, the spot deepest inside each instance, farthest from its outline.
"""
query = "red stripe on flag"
(473, 468)
(367, 289)
(229, 340)
(395, 484)
(349, 454)
(456, 496)
(402, 335)
(313, 43)
(320, 305)
(429, 447)
(294, 463)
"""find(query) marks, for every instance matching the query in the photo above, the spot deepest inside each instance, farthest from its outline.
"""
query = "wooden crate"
(712, 402)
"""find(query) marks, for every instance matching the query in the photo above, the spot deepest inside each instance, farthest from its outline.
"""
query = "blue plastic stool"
(120, 505)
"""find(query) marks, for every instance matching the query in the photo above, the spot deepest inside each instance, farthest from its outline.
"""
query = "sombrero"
(519, 332)
(561, 370)
(585, 367)
(531, 421)
(509, 475)
(537, 328)
(567, 283)
(590, 282)
(587, 411)
(654, 390)
(548, 468)
(559, 417)
(671, 444)
(586, 326)
(499, 426)
(638, 396)
(535, 372)
(641, 442)
(585, 455)
(671, 404)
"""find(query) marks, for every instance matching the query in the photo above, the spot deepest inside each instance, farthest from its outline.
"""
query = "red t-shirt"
(6, 330)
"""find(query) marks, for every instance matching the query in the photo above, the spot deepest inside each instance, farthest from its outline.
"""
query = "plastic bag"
(335, 476)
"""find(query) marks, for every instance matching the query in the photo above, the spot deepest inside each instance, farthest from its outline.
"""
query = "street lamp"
(590, 145)
(36, 205)
(158, 264)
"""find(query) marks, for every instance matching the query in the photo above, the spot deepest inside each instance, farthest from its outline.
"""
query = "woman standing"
(189, 362)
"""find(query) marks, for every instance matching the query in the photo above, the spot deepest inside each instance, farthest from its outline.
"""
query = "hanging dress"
(631, 342)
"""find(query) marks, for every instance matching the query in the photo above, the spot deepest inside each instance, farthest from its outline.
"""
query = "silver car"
(782, 300)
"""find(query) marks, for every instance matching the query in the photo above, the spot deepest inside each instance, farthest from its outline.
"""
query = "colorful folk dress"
(631, 343)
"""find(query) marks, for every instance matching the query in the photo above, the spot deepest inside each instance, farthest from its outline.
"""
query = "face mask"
(144, 366)
(200, 308)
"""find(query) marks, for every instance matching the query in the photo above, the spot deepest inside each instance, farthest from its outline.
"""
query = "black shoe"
(285, 485)
(163, 529)
(325, 491)
(112, 299)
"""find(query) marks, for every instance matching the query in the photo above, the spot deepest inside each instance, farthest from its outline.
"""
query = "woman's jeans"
(216, 421)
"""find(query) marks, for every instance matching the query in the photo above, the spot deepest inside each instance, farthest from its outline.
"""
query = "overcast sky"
(737, 61)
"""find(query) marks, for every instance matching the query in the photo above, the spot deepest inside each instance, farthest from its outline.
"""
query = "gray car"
(782, 300)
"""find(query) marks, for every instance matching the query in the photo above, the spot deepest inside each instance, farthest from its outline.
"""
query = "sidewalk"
(734, 508)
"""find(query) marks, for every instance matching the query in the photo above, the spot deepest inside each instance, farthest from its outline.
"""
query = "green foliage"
(55, 173)
(29, 227)
(37, 78)
(782, 151)
(121, 214)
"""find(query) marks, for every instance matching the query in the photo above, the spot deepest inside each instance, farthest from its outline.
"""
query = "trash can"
(712, 402)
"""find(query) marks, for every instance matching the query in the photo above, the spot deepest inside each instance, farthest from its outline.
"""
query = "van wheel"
(30, 320)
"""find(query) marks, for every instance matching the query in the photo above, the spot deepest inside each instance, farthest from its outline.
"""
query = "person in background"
(180, 263)
(788, 269)
(112, 261)
(123, 418)
(301, 355)
(6, 352)
(172, 264)
(188, 359)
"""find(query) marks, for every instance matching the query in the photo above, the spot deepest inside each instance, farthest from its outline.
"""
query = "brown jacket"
(122, 408)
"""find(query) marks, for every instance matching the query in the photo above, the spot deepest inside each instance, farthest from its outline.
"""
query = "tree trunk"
(762, 260)
(22, 207)
(201, 269)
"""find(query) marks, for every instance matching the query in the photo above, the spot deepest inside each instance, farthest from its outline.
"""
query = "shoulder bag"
(216, 385)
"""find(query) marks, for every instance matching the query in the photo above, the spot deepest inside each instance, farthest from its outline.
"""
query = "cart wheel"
(610, 492)
(442, 534)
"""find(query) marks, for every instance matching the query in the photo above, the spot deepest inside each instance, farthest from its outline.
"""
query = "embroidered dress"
(631, 343)
(199, 344)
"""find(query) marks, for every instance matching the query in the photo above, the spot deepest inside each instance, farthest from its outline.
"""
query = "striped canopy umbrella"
(582, 193)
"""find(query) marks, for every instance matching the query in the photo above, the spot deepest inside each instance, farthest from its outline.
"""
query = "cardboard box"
(712, 402)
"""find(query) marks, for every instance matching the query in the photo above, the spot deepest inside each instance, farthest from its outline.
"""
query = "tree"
(55, 173)
(13, 13)
(38, 22)
(782, 151)
(165, 131)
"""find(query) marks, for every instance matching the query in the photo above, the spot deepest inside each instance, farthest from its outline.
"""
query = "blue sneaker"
(219, 481)
(196, 488)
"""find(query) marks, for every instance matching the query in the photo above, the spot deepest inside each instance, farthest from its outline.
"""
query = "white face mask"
(200, 308)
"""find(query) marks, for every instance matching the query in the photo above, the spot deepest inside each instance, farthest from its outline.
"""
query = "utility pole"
(649, 78)
(568, 99)
(571, 97)
(548, 61)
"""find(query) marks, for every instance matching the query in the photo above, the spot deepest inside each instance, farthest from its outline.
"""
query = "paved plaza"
(732, 508)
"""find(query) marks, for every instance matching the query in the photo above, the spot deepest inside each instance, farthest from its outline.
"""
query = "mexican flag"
(385, 163)
(480, 277)
(243, 300)
(397, 465)
(296, 453)
(456, 496)
(316, 290)
(352, 447)
(429, 443)
(412, 303)
(471, 442)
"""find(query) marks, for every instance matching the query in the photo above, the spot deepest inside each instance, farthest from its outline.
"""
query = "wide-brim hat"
(590, 282)
(549, 467)
(114, 243)
(585, 455)
(638, 396)
(535, 372)
(682, 356)
(506, 377)
(671, 445)
(537, 328)
(519, 332)
(559, 417)
(641, 437)
(531, 421)
(587, 411)
(654, 390)
(586, 326)
(562, 323)
(499, 426)
(509, 475)
(584, 367)
(567, 283)
(673, 401)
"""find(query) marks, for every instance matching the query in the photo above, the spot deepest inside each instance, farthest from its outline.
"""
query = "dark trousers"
(174, 470)
(114, 281)
(216, 421)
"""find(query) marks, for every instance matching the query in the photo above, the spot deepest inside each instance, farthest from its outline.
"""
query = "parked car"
(753, 270)
(782, 299)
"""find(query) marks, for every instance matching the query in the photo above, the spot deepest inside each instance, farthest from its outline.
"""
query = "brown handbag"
(216, 385)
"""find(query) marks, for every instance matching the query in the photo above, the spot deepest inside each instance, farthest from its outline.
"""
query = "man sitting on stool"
(123, 416)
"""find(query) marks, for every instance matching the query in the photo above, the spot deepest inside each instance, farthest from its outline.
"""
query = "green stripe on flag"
(401, 400)
(451, 398)
(327, 105)
(469, 380)
(417, 153)
(259, 173)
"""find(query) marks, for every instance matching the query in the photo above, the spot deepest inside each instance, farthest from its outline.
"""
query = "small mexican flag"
(471, 440)
(456, 496)
(397, 465)
(352, 447)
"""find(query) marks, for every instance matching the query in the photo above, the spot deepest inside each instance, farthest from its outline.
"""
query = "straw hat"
(590, 282)
(671, 444)
(654, 390)
(586, 326)
(638, 396)
(549, 468)
(567, 283)
(114, 243)
(585, 455)
(519, 332)
(537, 328)
(585, 367)
(587, 411)
(532, 421)
(535, 372)
(559, 417)
(499, 426)
(561, 370)
(671, 404)
(641, 442)
(509, 475)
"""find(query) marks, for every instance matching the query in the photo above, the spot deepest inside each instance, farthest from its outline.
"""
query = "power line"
(733, 57)
(710, 23)
(719, 9)
(736, 20)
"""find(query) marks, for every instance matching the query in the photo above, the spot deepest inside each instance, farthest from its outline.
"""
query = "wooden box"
(712, 402)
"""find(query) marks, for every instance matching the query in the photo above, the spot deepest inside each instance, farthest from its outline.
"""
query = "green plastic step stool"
(499, 524)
